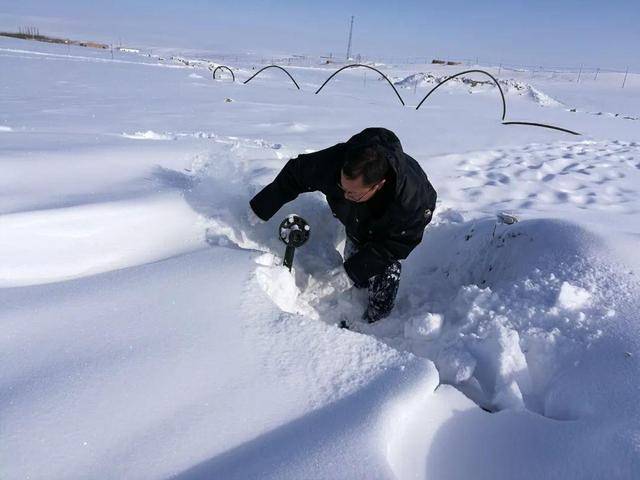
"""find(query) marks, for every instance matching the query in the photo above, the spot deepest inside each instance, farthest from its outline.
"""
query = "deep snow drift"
(150, 330)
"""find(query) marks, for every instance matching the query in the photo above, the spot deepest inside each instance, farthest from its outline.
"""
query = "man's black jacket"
(382, 236)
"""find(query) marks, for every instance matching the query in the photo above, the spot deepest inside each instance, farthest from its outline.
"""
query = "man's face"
(356, 191)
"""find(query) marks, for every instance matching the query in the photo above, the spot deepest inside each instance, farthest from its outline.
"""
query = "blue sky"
(538, 32)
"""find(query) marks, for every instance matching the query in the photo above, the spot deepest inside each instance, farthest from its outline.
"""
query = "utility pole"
(579, 73)
(350, 36)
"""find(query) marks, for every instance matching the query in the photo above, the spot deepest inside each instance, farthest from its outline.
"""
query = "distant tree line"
(33, 33)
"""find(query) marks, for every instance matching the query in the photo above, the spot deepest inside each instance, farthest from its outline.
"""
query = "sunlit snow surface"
(150, 331)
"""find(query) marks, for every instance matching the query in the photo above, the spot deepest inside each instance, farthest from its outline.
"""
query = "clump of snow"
(504, 368)
(447, 215)
(5, 129)
(418, 80)
(280, 286)
(266, 260)
(455, 365)
(195, 75)
(427, 327)
(572, 297)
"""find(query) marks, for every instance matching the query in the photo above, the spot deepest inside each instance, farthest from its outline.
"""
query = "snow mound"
(240, 143)
(504, 314)
(509, 86)
(419, 80)
(5, 129)
(427, 327)
(45, 246)
(572, 297)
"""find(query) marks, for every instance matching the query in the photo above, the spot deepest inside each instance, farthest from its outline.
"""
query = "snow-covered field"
(149, 331)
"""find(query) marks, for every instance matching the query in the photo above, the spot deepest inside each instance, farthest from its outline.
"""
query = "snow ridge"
(509, 86)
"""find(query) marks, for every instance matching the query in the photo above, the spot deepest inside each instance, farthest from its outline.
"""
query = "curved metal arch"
(272, 66)
(366, 66)
(224, 67)
(533, 124)
(504, 102)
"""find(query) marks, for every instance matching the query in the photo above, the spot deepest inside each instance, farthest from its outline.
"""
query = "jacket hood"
(387, 139)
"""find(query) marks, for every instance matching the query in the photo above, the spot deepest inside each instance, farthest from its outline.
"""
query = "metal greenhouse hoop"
(366, 66)
(272, 66)
(219, 67)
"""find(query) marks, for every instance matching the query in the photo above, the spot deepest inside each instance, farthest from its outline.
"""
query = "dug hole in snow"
(503, 327)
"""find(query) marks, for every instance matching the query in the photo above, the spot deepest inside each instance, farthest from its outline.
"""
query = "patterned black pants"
(383, 288)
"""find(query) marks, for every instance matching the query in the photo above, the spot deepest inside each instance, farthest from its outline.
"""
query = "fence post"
(579, 73)
(597, 72)
(625, 77)
(500, 69)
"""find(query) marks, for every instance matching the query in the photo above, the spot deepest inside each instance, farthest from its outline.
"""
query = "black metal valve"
(294, 231)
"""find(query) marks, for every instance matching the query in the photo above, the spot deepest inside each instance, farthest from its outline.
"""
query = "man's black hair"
(369, 161)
